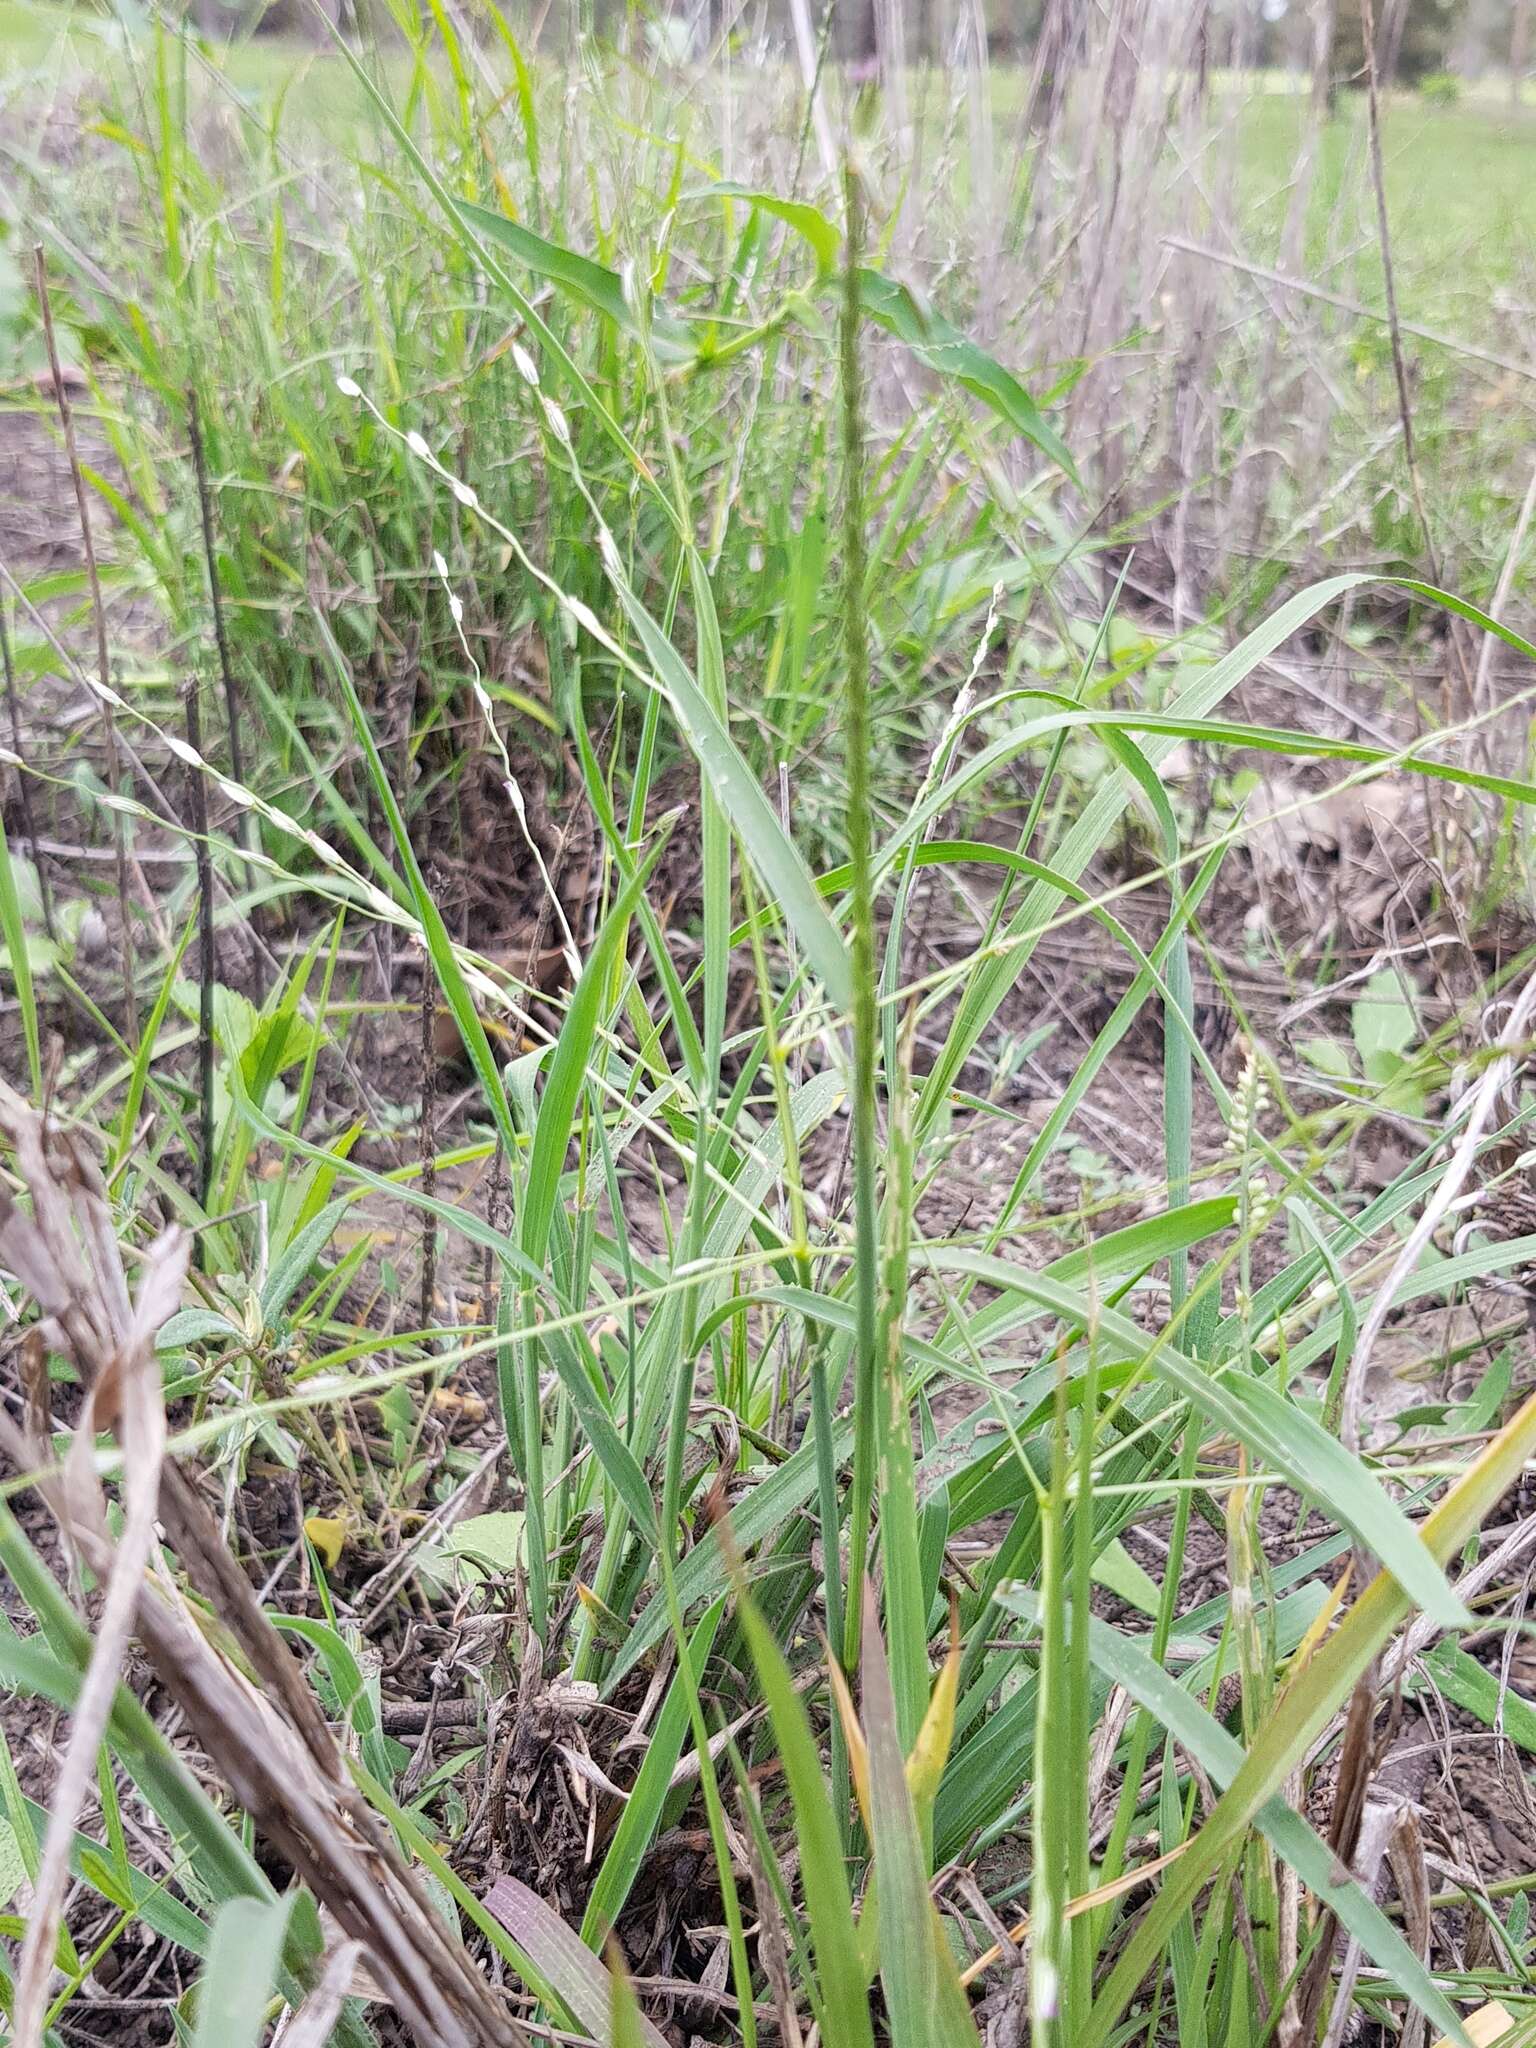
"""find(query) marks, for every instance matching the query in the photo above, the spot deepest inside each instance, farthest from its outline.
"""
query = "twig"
(247, 825)
(215, 590)
(24, 786)
(493, 1207)
(103, 662)
(206, 963)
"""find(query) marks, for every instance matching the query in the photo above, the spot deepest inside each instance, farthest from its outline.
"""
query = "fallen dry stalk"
(269, 1740)
(128, 1388)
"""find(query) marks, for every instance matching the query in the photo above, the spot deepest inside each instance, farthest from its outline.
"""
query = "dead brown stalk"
(264, 1734)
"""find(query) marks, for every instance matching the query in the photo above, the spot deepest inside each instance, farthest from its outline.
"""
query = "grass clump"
(703, 1439)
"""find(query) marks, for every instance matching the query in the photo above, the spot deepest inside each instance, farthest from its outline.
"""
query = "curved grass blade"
(1277, 1431)
(808, 221)
(642, 1810)
(561, 1959)
(995, 976)
(597, 288)
(947, 352)
(704, 1572)
(777, 859)
(440, 947)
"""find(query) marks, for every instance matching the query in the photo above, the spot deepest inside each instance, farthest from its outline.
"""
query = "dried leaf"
(328, 1533)
(558, 1955)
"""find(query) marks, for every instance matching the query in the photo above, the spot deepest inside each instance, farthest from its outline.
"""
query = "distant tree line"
(1414, 38)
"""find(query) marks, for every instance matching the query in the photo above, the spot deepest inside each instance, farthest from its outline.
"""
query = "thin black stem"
(207, 963)
(215, 589)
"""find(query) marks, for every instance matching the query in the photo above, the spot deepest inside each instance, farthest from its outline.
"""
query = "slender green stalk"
(858, 743)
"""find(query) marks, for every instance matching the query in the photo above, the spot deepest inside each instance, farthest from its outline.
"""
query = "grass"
(622, 563)
(1457, 190)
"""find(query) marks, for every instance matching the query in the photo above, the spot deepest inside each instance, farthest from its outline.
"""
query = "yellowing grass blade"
(930, 1752)
(1482, 2028)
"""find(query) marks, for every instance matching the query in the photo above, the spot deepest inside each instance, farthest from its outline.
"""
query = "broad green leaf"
(357, 1690)
(626, 2023)
(498, 1540)
(947, 352)
(1327, 1056)
(237, 1982)
(1384, 1025)
(601, 290)
(567, 1070)
(293, 1265)
(469, 237)
(808, 221)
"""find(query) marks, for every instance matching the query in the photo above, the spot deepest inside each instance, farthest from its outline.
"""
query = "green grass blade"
(1311, 1702)
(643, 1808)
(1222, 1755)
(776, 858)
(841, 2002)
(1274, 1429)
(445, 965)
(926, 2006)
(244, 1955)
